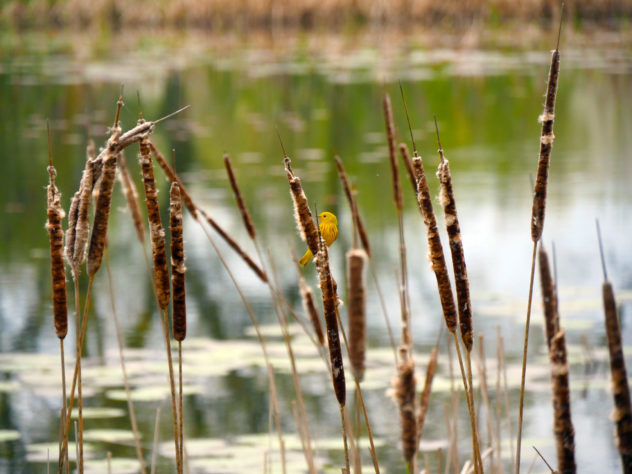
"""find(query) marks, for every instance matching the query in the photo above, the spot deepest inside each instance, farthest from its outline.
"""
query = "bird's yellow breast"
(329, 232)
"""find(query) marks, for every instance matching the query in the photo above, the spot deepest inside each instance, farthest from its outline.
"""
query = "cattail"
(307, 297)
(157, 234)
(56, 238)
(403, 151)
(364, 239)
(456, 249)
(356, 259)
(404, 385)
(436, 255)
(78, 219)
(390, 136)
(333, 338)
(235, 246)
(131, 196)
(622, 413)
(103, 204)
(302, 214)
(245, 214)
(549, 297)
(174, 178)
(178, 269)
(563, 424)
(546, 143)
(424, 399)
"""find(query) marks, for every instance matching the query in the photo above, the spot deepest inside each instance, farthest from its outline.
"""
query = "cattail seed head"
(56, 239)
(102, 208)
(436, 255)
(424, 399)
(405, 386)
(356, 260)
(178, 270)
(546, 144)
(563, 424)
(131, 196)
(456, 249)
(157, 234)
(327, 288)
(302, 213)
(549, 297)
(390, 138)
(309, 306)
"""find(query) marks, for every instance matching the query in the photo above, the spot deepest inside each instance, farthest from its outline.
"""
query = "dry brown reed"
(356, 259)
(173, 177)
(562, 424)
(307, 297)
(131, 196)
(178, 269)
(235, 246)
(245, 214)
(330, 298)
(538, 209)
(392, 154)
(405, 154)
(157, 234)
(461, 282)
(424, 398)
(622, 413)
(102, 207)
(405, 386)
(549, 297)
(56, 240)
(357, 220)
(302, 213)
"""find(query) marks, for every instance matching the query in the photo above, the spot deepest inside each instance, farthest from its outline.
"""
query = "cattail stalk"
(58, 274)
(178, 271)
(563, 424)
(538, 208)
(307, 297)
(405, 386)
(549, 297)
(131, 196)
(405, 154)
(302, 213)
(245, 214)
(424, 398)
(622, 413)
(356, 259)
(174, 178)
(461, 282)
(235, 246)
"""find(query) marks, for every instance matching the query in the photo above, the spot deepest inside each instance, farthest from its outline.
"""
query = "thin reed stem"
(180, 404)
(62, 455)
(128, 393)
(174, 407)
(344, 437)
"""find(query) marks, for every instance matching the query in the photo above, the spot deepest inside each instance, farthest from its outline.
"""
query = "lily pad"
(109, 436)
(42, 452)
(99, 412)
(118, 465)
(151, 394)
(9, 435)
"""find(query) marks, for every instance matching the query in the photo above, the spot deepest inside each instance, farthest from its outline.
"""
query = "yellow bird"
(328, 229)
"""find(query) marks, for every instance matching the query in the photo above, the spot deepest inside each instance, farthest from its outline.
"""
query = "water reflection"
(487, 102)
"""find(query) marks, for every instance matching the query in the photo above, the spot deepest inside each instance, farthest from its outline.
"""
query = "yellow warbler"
(328, 229)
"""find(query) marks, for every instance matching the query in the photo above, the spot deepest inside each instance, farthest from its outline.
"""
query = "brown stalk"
(302, 213)
(390, 138)
(563, 424)
(356, 259)
(235, 246)
(131, 196)
(482, 367)
(461, 283)
(307, 297)
(539, 206)
(424, 398)
(173, 177)
(405, 154)
(549, 297)
(58, 272)
(622, 413)
(245, 214)
(405, 386)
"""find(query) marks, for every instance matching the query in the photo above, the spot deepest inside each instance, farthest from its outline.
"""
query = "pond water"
(324, 98)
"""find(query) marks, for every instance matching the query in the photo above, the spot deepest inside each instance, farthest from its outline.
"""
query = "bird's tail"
(305, 259)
